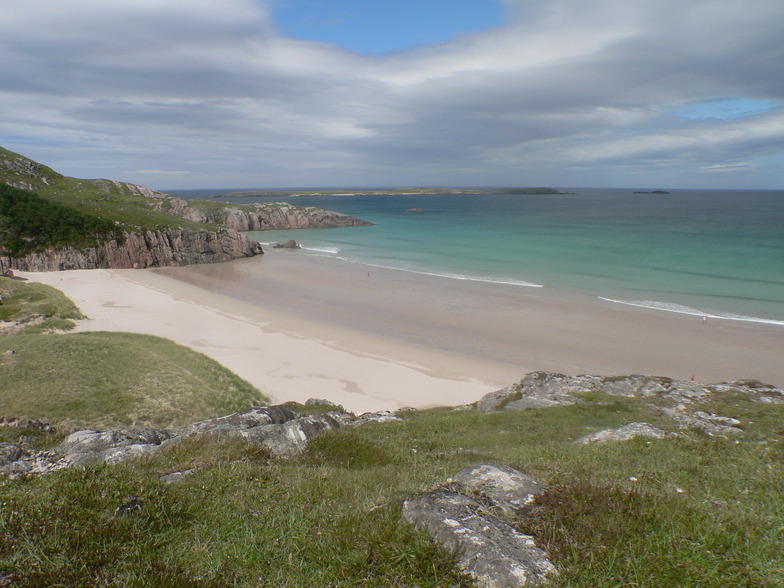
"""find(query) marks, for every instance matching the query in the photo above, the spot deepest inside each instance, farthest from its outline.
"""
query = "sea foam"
(681, 309)
(330, 250)
(450, 276)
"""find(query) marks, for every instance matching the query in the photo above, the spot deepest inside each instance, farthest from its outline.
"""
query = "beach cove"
(302, 326)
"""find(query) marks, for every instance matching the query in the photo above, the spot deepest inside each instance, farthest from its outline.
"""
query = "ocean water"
(702, 252)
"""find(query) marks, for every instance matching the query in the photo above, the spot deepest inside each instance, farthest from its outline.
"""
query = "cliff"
(152, 248)
(259, 216)
(158, 229)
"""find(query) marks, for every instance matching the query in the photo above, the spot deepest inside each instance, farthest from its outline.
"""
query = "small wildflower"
(633, 478)
(679, 490)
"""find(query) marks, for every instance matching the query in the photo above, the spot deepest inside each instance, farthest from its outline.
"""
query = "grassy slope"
(115, 201)
(102, 198)
(104, 379)
(685, 511)
(47, 307)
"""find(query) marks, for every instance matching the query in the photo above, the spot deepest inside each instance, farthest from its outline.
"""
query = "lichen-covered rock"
(495, 400)
(111, 446)
(277, 428)
(708, 423)
(383, 416)
(677, 398)
(755, 389)
(543, 389)
(506, 487)
(487, 548)
(238, 421)
(623, 433)
(549, 383)
(291, 437)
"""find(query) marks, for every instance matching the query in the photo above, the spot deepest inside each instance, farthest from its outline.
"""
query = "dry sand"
(300, 326)
(287, 358)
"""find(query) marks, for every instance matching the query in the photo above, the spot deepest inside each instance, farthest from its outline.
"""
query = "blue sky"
(375, 26)
(275, 93)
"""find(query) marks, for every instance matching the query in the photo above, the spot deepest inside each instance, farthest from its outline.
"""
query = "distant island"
(388, 192)
(651, 192)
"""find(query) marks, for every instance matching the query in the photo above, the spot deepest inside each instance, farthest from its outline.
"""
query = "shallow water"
(716, 253)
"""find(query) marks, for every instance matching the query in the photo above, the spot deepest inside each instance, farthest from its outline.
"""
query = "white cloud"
(210, 87)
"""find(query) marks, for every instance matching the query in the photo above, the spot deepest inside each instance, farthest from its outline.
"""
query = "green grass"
(684, 511)
(101, 379)
(24, 302)
(109, 201)
(116, 202)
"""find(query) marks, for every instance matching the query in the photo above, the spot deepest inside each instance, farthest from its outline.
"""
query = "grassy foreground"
(687, 510)
(99, 379)
(683, 511)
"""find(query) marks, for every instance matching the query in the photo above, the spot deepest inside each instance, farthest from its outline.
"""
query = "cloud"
(566, 93)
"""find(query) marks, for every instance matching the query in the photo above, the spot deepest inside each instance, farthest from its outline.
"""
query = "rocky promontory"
(264, 216)
(154, 229)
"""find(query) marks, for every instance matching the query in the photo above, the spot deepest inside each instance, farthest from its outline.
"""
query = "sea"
(717, 254)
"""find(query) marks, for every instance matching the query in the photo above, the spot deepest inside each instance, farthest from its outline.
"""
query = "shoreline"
(302, 326)
(286, 357)
(522, 328)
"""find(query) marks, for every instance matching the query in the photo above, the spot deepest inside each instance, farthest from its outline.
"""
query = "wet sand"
(522, 328)
(301, 326)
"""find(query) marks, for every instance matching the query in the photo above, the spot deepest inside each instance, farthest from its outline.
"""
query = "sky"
(372, 93)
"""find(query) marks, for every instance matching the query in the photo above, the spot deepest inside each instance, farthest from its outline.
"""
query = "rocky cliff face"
(264, 216)
(163, 247)
(170, 247)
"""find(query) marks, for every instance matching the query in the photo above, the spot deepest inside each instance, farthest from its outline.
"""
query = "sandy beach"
(300, 326)
(286, 357)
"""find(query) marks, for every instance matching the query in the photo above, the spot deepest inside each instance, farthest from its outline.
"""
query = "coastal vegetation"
(122, 205)
(34, 308)
(686, 510)
(125, 206)
(99, 378)
(30, 223)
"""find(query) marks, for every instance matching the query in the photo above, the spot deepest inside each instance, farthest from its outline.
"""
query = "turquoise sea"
(718, 253)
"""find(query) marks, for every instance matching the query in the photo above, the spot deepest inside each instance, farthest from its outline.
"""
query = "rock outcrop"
(279, 429)
(263, 216)
(488, 548)
(630, 431)
(290, 244)
(161, 248)
(144, 248)
(678, 399)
